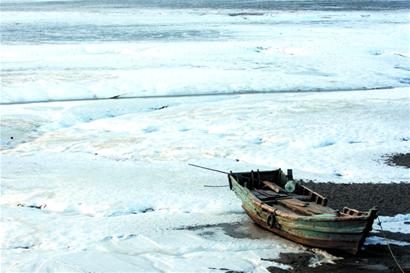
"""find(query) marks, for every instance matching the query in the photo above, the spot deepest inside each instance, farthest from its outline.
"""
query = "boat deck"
(292, 203)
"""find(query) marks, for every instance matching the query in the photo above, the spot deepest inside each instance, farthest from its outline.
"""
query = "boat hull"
(338, 231)
(350, 243)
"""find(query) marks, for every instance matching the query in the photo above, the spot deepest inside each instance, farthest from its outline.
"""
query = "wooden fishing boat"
(282, 205)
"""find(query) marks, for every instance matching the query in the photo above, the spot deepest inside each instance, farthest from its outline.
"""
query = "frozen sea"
(104, 103)
(62, 50)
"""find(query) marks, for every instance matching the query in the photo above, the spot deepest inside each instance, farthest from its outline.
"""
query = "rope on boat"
(379, 223)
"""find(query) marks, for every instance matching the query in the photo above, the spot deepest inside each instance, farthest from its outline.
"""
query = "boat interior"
(269, 188)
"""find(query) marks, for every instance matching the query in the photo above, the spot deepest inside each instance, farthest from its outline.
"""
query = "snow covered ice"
(85, 180)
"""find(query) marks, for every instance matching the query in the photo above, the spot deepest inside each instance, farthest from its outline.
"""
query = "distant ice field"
(211, 4)
(85, 49)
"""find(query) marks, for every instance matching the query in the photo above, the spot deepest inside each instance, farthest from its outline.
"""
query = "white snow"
(399, 223)
(131, 215)
(378, 240)
(108, 181)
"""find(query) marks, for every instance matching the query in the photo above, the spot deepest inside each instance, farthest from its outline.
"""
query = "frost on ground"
(109, 179)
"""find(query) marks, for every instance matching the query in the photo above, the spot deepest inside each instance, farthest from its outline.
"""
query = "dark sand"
(399, 160)
(372, 259)
(391, 199)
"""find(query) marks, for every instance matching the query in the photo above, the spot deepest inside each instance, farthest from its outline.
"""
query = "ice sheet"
(66, 54)
(317, 134)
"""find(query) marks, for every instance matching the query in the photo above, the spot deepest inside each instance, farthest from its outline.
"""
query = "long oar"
(206, 168)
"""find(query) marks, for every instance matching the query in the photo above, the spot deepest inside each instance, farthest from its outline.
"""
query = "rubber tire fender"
(271, 220)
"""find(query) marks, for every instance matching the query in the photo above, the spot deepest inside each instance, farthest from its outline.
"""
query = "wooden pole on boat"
(218, 171)
(206, 168)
